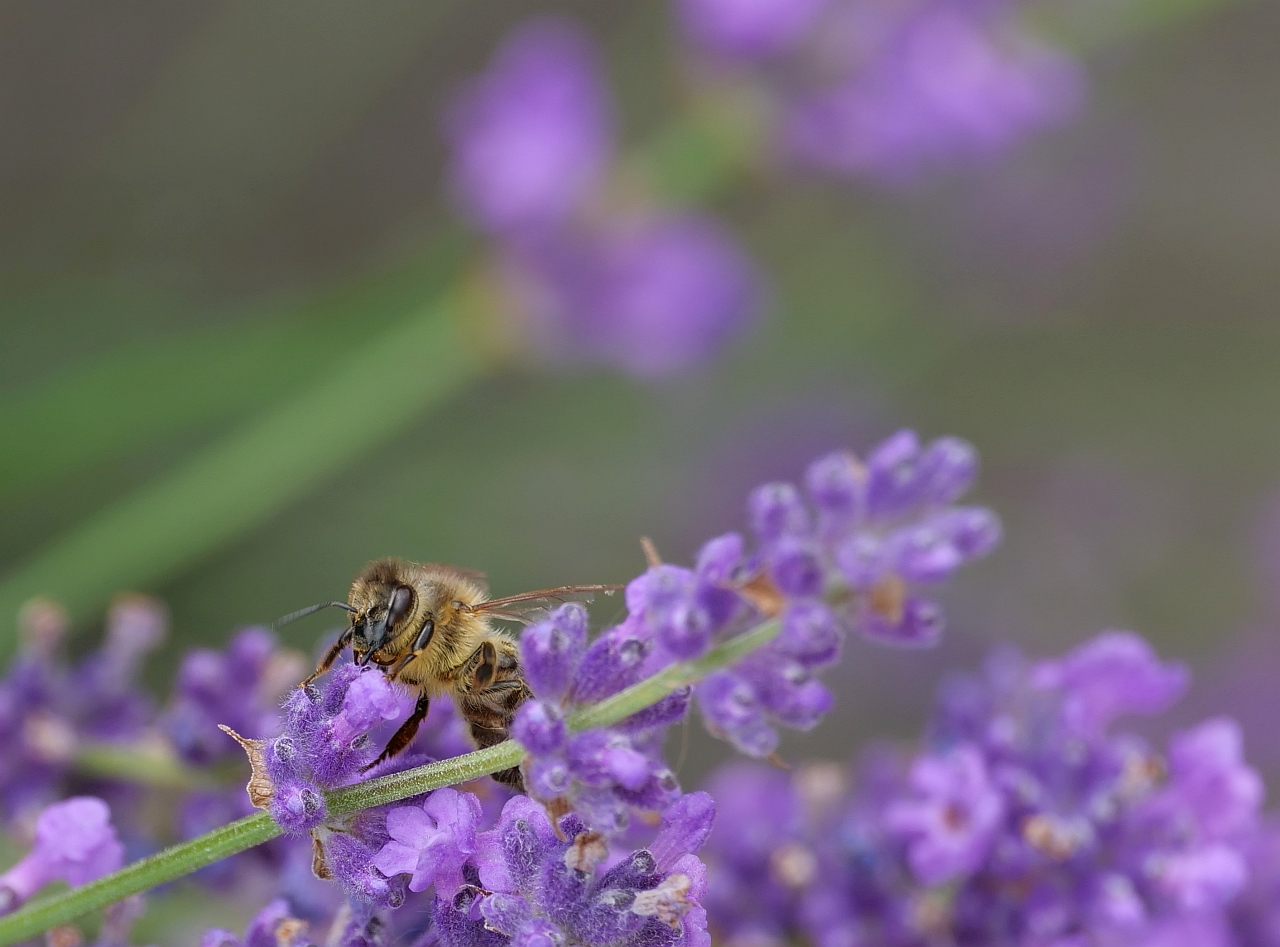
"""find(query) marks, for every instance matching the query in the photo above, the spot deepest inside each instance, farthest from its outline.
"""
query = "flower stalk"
(183, 859)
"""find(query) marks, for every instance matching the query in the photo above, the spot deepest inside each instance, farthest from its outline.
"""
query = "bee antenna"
(310, 610)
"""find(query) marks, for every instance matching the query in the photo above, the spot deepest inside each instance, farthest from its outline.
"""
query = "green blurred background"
(218, 216)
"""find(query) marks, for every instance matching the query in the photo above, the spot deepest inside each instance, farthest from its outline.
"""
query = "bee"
(428, 626)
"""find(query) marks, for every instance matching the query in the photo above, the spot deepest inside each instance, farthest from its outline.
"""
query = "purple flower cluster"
(273, 926)
(325, 741)
(850, 557)
(890, 91)
(239, 687)
(601, 773)
(1026, 819)
(48, 709)
(535, 883)
(646, 288)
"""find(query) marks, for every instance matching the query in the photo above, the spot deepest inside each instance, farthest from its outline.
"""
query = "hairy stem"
(181, 860)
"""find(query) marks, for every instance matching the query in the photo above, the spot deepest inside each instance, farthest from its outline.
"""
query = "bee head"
(379, 622)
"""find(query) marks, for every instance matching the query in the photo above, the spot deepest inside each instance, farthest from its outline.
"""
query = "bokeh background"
(211, 210)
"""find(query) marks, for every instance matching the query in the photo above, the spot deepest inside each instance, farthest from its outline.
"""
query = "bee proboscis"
(428, 627)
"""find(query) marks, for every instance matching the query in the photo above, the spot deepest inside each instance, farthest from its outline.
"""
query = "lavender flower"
(530, 887)
(844, 559)
(891, 92)
(532, 136)
(1015, 825)
(953, 816)
(74, 842)
(602, 773)
(747, 29)
(239, 687)
(653, 293)
(325, 741)
(647, 289)
(273, 926)
(432, 842)
(48, 709)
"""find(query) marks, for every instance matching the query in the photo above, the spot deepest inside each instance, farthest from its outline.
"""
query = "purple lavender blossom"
(747, 29)
(325, 741)
(944, 88)
(239, 687)
(952, 817)
(532, 136)
(533, 885)
(1014, 826)
(273, 926)
(602, 774)
(648, 289)
(47, 710)
(653, 295)
(1114, 674)
(75, 842)
(842, 558)
(431, 843)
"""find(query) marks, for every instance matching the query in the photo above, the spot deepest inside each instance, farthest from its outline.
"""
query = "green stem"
(180, 860)
(142, 766)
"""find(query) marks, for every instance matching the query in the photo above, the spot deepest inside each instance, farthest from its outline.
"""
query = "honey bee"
(428, 627)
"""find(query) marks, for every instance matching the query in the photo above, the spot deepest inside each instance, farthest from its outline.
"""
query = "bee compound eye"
(399, 606)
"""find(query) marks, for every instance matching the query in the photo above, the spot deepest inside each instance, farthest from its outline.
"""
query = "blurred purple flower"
(947, 87)
(532, 135)
(952, 817)
(273, 926)
(652, 296)
(1114, 674)
(74, 842)
(646, 289)
(1015, 826)
(747, 29)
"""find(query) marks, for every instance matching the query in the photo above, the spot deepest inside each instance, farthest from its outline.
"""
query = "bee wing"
(531, 606)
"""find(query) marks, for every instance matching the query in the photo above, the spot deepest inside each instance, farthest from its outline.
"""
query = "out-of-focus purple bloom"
(952, 818)
(75, 842)
(1114, 674)
(652, 295)
(649, 289)
(946, 88)
(48, 710)
(238, 687)
(1015, 826)
(532, 136)
(747, 29)
(273, 926)
(433, 842)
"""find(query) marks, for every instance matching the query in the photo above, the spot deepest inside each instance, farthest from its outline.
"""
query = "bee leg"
(486, 665)
(419, 645)
(404, 736)
(331, 655)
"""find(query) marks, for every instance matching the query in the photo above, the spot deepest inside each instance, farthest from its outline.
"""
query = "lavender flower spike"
(75, 842)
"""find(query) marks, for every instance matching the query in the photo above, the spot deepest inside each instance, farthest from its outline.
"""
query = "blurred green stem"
(152, 765)
(180, 860)
(253, 473)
